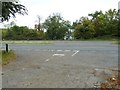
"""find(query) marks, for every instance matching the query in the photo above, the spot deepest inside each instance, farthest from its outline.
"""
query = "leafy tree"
(95, 15)
(56, 27)
(22, 33)
(84, 29)
(9, 9)
(98, 19)
(105, 24)
(112, 21)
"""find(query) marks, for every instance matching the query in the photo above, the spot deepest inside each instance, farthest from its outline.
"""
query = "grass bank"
(7, 57)
(116, 42)
(27, 42)
(101, 38)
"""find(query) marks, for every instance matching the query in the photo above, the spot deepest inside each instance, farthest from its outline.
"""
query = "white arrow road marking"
(75, 53)
(58, 55)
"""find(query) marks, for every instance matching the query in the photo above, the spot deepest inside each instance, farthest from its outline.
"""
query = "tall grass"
(7, 57)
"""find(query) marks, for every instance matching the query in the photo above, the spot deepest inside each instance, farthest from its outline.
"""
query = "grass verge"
(7, 57)
(116, 42)
(27, 42)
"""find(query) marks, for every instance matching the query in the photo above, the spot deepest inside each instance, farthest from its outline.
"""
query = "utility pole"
(39, 26)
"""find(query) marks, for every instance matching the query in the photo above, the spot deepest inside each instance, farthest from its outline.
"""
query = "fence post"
(6, 47)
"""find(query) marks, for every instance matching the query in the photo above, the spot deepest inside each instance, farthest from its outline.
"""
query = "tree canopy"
(10, 9)
(56, 27)
(106, 25)
(101, 24)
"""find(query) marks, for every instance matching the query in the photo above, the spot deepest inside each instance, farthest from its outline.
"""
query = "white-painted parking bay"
(61, 53)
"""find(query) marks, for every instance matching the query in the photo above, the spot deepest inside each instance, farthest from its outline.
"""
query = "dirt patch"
(112, 83)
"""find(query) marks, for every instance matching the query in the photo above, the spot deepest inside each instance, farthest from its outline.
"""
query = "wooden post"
(6, 47)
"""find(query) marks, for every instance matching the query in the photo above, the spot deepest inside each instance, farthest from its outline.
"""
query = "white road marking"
(67, 50)
(59, 50)
(58, 55)
(75, 53)
(75, 50)
(47, 60)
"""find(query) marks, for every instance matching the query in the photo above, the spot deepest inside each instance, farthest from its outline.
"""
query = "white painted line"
(52, 50)
(59, 50)
(75, 53)
(58, 55)
(67, 50)
(47, 60)
(75, 50)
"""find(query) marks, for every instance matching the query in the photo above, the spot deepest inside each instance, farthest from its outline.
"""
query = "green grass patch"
(101, 38)
(7, 57)
(27, 42)
(116, 42)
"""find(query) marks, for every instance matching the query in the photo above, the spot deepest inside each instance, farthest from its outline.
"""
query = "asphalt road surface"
(62, 64)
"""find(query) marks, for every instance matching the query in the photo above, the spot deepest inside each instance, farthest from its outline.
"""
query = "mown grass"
(99, 39)
(27, 42)
(116, 42)
(7, 56)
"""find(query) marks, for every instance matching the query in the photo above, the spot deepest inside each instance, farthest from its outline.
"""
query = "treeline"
(96, 25)
(100, 24)
(22, 33)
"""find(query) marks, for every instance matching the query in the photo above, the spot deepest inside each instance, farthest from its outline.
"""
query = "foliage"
(22, 33)
(116, 42)
(56, 27)
(101, 24)
(84, 29)
(9, 9)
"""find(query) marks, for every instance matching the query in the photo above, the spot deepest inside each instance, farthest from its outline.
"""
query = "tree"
(98, 19)
(22, 33)
(95, 15)
(8, 25)
(56, 27)
(9, 9)
(105, 24)
(112, 22)
(84, 29)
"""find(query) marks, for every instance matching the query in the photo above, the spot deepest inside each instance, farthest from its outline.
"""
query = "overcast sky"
(69, 9)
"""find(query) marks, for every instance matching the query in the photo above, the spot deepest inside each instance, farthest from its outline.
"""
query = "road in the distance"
(67, 64)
